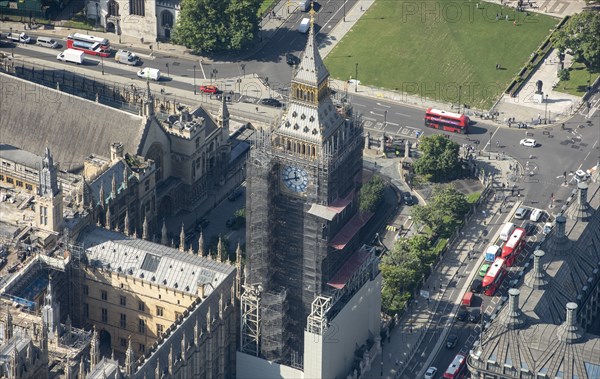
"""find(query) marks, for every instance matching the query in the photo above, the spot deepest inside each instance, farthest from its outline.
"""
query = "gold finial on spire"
(312, 13)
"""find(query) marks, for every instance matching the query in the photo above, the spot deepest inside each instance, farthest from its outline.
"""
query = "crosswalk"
(371, 124)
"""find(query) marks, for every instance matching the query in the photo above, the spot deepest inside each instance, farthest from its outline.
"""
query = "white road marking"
(402, 114)
(383, 105)
(376, 114)
(392, 123)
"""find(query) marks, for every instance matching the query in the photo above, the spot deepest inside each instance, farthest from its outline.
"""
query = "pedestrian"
(398, 362)
(256, 109)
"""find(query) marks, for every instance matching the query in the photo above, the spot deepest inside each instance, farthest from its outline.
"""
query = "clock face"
(295, 178)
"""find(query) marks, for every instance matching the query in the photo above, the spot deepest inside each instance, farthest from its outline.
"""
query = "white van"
(46, 42)
(127, 57)
(535, 215)
(71, 55)
(149, 73)
(506, 231)
(18, 37)
(304, 25)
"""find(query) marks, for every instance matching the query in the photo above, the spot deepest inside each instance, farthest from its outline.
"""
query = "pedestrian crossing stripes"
(391, 228)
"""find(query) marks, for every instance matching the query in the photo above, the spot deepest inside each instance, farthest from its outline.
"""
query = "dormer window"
(305, 129)
(303, 116)
(315, 131)
(311, 119)
(287, 124)
(294, 114)
(296, 126)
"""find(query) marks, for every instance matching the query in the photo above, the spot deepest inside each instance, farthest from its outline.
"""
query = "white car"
(581, 176)
(529, 142)
(547, 228)
(430, 373)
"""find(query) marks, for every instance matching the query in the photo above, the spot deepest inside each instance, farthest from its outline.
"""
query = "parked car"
(202, 224)
(529, 229)
(528, 142)
(235, 194)
(475, 315)
(209, 89)
(462, 315)
(484, 269)
(407, 198)
(521, 213)
(271, 102)
(291, 59)
(547, 228)
(451, 341)
(476, 286)
(430, 373)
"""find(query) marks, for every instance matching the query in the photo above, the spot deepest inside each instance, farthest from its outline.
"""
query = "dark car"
(291, 59)
(529, 229)
(407, 198)
(235, 194)
(475, 316)
(476, 286)
(271, 102)
(451, 341)
(462, 315)
(202, 224)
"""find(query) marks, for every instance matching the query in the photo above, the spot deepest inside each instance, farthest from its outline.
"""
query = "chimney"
(116, 151)
(561, 222)
(583, 210)
(536, 278)
(514, 318)
(569, 332)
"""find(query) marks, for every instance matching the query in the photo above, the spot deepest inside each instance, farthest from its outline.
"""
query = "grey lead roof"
(34, 116)
(152, 262)
(311, 69)
(17, 155)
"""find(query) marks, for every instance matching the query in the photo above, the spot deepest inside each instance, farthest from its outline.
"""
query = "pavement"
(413, 326)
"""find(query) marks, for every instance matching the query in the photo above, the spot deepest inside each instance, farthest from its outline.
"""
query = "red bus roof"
(515, 237)
(455, 366)
(493, 272)
(439, 112)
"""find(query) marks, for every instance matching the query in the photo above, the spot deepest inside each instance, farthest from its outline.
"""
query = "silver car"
(520, 213)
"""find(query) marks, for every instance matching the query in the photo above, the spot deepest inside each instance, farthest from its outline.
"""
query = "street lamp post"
(102, 62)
(243, 66)
(491, 134)
(194, 79)
(344, 11)
(356, 78)
(459, 90)
(168, 73)
(546, 111)
(384, 118)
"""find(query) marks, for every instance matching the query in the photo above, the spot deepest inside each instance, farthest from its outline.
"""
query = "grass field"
(578, 82)
(431, 48)
(264, 6)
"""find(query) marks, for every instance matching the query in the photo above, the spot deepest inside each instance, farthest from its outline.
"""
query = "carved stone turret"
(164, 237)
(182, 238)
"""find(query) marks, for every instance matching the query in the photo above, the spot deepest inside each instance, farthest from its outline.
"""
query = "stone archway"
(110, 27)
(105, 343)
(167, 20)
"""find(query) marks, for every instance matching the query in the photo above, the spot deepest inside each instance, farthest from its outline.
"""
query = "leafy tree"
(210, 26)
(371, 194)
(564, 74)
(444, 211)
(439, 158)
(580, 36)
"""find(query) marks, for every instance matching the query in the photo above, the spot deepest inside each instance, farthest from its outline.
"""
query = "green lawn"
(402, 45)
(578, 82)
(264, 6)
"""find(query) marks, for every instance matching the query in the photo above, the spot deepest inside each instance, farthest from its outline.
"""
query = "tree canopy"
(211, 26)
(580, 36)
(444, 211)
(439, 159)
(371, 194)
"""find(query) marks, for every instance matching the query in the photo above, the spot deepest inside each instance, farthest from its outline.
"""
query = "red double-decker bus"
(513, 247)
(89, 44)
(456, 367)
(494, 277)
(448, 121)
